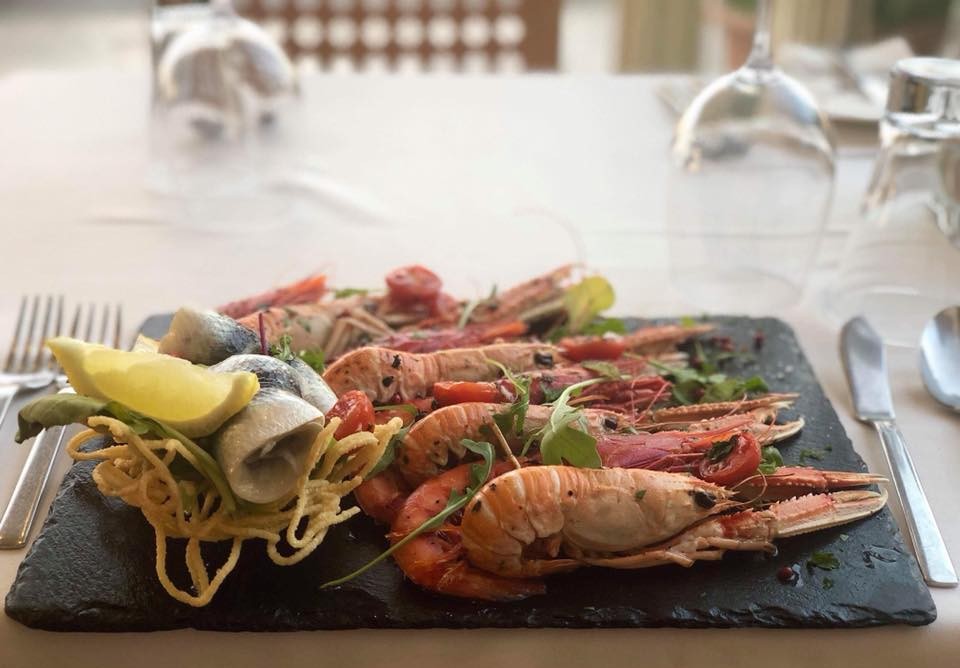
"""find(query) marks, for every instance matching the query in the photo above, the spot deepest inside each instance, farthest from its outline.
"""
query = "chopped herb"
(551, 393)
(827, 583)
(807, 453)
(559, 441)
(692, 386)
(719, 451)
(315, 358)
(282, 350)
(640, 493)
(605, 369)
(771, 460)
(349, 292)
(585, 301)
(823, 560)
(479, 473)
(844, 537)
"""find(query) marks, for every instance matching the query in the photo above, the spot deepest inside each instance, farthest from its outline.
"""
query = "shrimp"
(388, 376)
(541, 520)
(435, 559)
(309, 289)
(433, 443)
(382, 496)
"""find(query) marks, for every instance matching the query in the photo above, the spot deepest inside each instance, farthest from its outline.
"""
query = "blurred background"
(571, 36)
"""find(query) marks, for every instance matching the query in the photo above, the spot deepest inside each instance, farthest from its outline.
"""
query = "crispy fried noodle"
(137, 470)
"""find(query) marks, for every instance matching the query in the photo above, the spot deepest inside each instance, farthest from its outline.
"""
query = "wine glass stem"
(761, 56)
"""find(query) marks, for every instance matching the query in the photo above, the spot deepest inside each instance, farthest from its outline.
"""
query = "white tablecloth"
(483, 179)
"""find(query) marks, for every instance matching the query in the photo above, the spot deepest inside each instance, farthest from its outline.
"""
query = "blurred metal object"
(22, 507)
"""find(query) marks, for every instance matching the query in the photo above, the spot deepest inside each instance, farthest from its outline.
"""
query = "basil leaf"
(55, 410)
(585, 300)
(479, 473)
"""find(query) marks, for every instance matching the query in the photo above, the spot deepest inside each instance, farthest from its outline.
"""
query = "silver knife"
(866, 366)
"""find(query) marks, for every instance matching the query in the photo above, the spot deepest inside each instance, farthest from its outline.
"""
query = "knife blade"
(865, 364)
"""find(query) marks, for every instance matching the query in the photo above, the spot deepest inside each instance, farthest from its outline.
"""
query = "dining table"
(486, 179)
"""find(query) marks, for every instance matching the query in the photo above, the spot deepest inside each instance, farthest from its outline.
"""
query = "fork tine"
(28, 340)
(38, 360)
(57, 331)
(118, 326)
(12, 353)
(104, 319)
(88, 332)
(75, 325)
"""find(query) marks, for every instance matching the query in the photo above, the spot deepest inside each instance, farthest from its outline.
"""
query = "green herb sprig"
(560, 440)
(479, 473)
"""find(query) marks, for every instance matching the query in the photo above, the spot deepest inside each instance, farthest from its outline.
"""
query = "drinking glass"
(750, 187)
(902, 260)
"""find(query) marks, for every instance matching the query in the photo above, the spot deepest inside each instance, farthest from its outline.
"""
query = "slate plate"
(92, 566)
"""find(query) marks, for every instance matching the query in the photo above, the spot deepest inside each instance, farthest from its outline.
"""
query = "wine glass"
(222, 89)
(750, 187)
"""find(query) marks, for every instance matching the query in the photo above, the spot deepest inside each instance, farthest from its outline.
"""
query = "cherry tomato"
(444, 306)
(413, 284)
(355, 411)
(580, 348)
(461, 392)
(739, 464)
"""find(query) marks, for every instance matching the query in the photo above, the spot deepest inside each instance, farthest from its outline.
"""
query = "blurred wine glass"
(750, 187)
(221, 86)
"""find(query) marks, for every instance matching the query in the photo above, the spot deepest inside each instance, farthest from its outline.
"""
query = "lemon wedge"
(189, 398)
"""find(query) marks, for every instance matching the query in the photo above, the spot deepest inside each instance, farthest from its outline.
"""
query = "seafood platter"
(320, 457)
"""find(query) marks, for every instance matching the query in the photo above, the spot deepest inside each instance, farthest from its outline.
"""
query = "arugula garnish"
(512, 419)
(479, 473)
(823, 560)
(316, 359)
(602, 326)
(390, 453)
(607, 370)
(690, 386)
(771, 460)
(560, 441)
(281, 350)
(585, 301)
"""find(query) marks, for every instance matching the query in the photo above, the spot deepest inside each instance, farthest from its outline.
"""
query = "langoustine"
(541, 520)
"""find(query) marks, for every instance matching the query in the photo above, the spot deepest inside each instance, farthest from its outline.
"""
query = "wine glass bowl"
(749, 189)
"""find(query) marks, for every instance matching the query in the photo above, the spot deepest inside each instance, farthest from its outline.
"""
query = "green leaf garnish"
(808, 453)
(560, 441)
(63, 409)
(828, 583)
(640, 493)
(349, 292)
(512, 419)
(719, 451)
(586, 300)
(692, 386)
(771, 460)
(823, 560)
(602, 326)
(390, 453)
(687, 322)
(479, 473)
(467, 312)
(605, 369)
(281, 349)
(315, 358)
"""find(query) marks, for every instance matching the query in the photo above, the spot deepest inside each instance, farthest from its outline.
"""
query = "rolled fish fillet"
(206, 337)
(295, 376)
(263, 448)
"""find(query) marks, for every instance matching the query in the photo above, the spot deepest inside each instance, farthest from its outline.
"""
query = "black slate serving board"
(92, 566)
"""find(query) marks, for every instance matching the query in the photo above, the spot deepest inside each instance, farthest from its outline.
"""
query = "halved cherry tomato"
(413, 284)
(739, 464)
(355, 411)
(461, 392)
(580, 348)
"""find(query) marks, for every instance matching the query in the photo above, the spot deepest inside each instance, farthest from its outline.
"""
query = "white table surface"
(485, 180)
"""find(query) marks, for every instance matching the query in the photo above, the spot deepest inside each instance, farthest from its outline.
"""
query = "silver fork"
(22, 508)
(28, 364)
